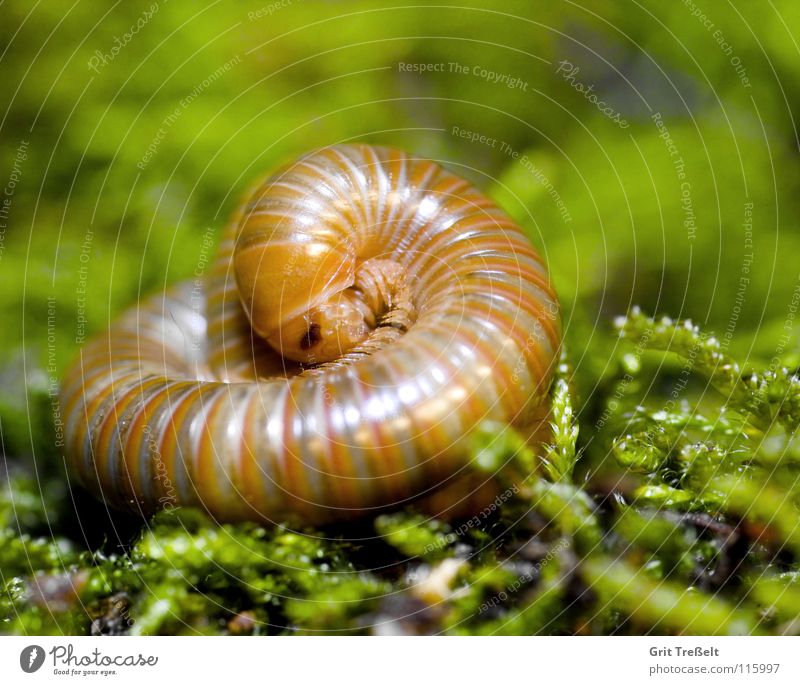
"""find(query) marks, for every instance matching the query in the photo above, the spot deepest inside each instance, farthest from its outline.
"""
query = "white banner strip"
(401, 660)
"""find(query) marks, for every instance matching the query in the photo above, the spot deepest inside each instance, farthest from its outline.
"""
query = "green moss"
(662, 605)
(697, 494)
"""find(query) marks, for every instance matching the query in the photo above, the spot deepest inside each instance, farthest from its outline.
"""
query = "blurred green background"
(121, 152)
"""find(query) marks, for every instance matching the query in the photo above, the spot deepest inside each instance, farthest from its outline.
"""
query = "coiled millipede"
(365, 311)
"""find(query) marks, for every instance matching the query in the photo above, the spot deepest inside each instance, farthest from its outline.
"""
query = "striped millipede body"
(365, 311)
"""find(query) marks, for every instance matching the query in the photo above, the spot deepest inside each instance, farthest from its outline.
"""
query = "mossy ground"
(678, 520)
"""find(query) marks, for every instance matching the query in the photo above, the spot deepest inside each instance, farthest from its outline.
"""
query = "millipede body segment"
(365, 311)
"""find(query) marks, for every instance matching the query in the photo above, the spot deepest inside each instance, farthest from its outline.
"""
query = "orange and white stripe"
(180, 402)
